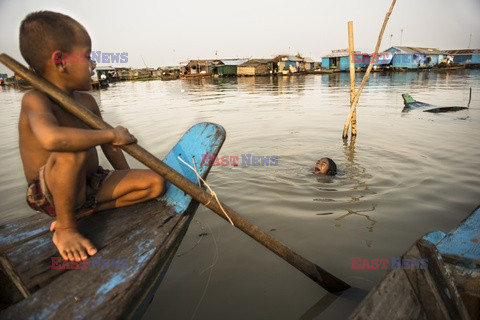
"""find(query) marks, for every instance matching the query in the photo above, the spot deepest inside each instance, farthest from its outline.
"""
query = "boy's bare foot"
(72, 245)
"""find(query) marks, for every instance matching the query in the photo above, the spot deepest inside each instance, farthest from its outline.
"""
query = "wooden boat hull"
(135, 247)
(449, 288)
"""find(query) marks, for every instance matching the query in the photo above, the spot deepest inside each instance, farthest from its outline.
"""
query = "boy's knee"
(157, 185)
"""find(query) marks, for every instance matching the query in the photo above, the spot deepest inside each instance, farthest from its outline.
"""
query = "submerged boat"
(135, 247)
(437, 278)
(412, 104)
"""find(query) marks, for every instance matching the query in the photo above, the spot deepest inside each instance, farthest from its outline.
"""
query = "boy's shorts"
(40, 199)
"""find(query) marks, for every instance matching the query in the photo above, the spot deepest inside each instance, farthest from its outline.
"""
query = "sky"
(162, 33)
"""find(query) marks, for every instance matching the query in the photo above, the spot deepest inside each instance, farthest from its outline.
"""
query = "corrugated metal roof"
(417, 50)
(343, 53)
(255, 62)
(104, 68)
(463, 51)
(233, 62)
(337, 53)
(292, 58)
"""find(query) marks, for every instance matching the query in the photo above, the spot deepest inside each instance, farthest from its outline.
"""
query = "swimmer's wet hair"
(332, 167)
(43, 32)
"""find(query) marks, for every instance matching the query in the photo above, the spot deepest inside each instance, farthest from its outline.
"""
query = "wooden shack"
(228, 67)
(256, 67)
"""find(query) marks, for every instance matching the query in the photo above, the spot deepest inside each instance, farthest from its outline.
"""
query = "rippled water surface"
(406, 174)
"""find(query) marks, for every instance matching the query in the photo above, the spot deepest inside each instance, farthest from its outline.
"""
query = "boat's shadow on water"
(328, 299)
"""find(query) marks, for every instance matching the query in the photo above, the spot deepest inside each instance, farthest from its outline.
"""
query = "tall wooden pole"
(351, 49)
(367, 73)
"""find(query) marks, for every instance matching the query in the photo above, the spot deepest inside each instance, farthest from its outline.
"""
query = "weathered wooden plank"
(32, 260)
(442, 282)
(467, 281)
(11, 274)
(23, 229)
(414, 293)
(102, 293)
(154, 272)
(393, 298)
(432, 286)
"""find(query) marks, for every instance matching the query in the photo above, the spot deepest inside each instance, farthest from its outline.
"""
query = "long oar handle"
(320, 276)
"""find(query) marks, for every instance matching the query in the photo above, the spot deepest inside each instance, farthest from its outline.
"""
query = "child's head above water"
(325, 166)
(44, 33)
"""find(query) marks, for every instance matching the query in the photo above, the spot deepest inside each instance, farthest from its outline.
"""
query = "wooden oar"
(317, 274)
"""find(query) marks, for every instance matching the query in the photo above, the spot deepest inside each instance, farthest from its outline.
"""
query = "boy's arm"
(55, 138)
(114, 155)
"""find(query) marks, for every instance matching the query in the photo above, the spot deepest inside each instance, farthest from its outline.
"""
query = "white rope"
(214, 195)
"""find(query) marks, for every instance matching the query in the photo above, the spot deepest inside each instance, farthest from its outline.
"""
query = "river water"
(404, 175)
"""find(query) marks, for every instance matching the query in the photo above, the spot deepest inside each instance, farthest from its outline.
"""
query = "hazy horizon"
(155, 34)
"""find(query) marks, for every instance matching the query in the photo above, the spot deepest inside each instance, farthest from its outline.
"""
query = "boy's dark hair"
(44, 32)
(332, 167)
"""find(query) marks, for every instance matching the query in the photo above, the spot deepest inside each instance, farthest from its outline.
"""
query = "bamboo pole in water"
(314, 272)
(351, 50)
(367, 74)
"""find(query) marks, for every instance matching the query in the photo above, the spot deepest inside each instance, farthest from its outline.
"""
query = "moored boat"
(445, 284)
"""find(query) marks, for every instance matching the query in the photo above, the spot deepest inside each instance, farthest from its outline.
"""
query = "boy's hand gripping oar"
(317, 274)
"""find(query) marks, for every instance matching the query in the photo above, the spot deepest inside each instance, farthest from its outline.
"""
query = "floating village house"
(340, 60)
(468, 57)
(256, 67)
(383, 60)
(228, 67)
(308, 64)
(415, 57)
(199, 67)
(124, 73)
(288, 64)
(108, 71)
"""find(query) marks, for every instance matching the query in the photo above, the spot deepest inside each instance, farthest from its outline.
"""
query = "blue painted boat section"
(463, 242)
(434, 237)
(203, 138)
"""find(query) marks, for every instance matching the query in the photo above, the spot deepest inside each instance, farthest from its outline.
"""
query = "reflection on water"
(395, 181)
(356, 173)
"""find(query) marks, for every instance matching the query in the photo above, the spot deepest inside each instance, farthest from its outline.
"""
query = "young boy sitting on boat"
(58, 151)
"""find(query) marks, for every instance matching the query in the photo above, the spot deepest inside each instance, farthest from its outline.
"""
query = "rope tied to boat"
(212, 193)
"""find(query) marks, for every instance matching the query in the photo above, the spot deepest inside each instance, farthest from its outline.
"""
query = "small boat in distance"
(135, 247)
